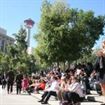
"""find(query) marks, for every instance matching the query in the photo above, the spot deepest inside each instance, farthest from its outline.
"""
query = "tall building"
(5, 40)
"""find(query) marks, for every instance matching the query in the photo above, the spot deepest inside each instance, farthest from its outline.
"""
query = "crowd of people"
(69, 86)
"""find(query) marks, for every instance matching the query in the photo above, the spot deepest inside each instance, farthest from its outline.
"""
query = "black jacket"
(19, 78)
(10, 77)
(100, 66)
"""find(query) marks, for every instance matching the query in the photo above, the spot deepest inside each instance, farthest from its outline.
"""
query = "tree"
(49, 32)
(66, 34)
(17, 57)
(17, 52)
(4, 62)
(24, 61)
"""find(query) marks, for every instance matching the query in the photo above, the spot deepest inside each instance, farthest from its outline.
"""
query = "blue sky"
(14, 12)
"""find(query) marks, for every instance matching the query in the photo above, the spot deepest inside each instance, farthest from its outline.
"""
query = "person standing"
(25, 83)
(3, 80)
(10, 81)
(100, 68)
(19, 78)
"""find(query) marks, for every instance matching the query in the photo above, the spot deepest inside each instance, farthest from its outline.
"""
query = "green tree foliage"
(24, 61)
(4, 62)
(17, 57)
(17, 52)
(65, 34)
(87, 58)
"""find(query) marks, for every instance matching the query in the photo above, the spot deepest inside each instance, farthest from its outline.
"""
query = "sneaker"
(40, 101)
(44, 103)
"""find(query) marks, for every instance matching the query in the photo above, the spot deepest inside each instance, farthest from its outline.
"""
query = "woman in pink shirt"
(25, 83)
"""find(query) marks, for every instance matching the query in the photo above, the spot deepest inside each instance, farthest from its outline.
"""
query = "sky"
(14, 12)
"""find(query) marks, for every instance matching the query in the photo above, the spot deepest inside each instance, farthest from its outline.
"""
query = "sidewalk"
(94, 99)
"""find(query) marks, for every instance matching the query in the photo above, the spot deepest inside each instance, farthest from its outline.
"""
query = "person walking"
(10, 81)
(19, 78)
(3, 78)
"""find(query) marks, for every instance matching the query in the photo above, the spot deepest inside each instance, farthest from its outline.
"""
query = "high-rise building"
(5, 40)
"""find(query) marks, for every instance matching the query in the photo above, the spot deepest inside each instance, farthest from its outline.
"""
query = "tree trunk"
(57, 64)
(64, 66)
(68, 64)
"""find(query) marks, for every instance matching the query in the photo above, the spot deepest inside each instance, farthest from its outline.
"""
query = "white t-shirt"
(54, 86)
(76, 87)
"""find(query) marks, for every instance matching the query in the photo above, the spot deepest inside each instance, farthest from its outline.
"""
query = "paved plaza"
(25, 99)
(13, 99)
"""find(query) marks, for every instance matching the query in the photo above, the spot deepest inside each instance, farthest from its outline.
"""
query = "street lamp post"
(29, 23)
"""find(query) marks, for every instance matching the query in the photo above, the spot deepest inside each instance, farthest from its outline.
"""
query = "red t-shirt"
(42, 86)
